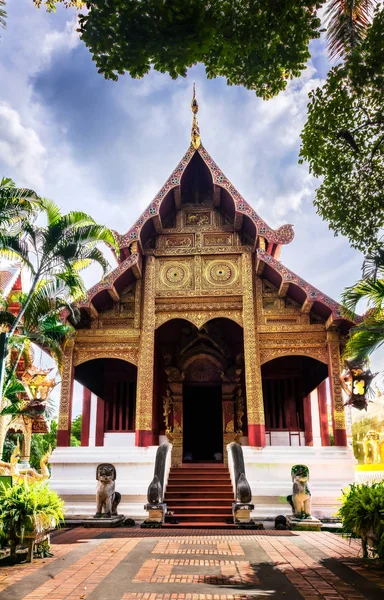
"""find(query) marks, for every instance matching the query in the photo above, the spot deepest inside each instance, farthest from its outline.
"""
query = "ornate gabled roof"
(267, 240)
(282, 235)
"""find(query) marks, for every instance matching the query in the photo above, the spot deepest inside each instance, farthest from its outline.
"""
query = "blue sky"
(107, 147)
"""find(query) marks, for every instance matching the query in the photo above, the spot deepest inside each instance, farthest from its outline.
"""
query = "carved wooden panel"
(173, 275)
(221, 273)
(197, 217)
(217, 239)
(177, 240)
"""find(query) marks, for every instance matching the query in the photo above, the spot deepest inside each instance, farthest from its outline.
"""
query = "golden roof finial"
(195, 132)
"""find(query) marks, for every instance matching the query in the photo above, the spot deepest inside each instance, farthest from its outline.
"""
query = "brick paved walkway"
(100, 564)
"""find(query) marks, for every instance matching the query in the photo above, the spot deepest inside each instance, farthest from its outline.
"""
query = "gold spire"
(195, 132)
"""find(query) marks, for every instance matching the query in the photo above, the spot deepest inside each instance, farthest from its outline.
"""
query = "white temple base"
(268, 471)
(74, 477)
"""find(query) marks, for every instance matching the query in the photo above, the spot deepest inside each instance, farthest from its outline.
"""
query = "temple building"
(202, 336)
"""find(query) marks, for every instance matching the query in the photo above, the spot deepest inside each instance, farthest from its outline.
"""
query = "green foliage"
(362, 514)
(25, 507)
(368, 335)
(10, 444)
(259, 45)
(343, 141)
(40, 444)
(76, 429)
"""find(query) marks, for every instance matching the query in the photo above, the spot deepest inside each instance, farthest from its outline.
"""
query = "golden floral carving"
(137, 314)
(334, 369)
(174, 275)
(222, 272)
(146, 352)
(262, 328)
(217, 239)
(66, 386)
(126, 353)
(253, 382)
(175, 241)
(198, 318)
(318, 353)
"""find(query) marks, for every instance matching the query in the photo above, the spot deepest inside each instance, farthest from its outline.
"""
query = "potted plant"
(28, 511)
(362, 514)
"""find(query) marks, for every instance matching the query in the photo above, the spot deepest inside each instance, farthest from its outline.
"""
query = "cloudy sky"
(106, 148)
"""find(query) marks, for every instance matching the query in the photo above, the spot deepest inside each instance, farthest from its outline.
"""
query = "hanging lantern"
(356, 382)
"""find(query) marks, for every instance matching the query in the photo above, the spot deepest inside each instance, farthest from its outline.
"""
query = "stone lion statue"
(107, 499)
(300, 500)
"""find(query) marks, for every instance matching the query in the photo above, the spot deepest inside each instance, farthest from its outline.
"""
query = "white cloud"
(64, 40)
(21, 150)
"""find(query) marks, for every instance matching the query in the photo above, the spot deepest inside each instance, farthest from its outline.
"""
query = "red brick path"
(89, 565)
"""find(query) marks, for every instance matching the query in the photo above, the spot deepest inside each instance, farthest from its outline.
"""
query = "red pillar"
(340, 437)
(338, 413)
(86, 416)
(256, 435)
(308, 432)
(144, 438)
(65, 420)
(99, 436)
(323, 414)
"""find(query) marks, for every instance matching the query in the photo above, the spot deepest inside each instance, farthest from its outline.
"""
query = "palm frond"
(91, 233)
(365, 338)
(3, 14)
(75, 219)
(74, 283)
(12, 391)
(15, 248)
(48, 299)
(373, 265)
(370, 290)
(17, 206)
(52, 211)
(347, 23)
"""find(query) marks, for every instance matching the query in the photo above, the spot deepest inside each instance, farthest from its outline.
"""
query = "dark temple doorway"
(202, 423)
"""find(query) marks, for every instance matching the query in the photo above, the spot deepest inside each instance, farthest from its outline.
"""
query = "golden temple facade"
(201, 334)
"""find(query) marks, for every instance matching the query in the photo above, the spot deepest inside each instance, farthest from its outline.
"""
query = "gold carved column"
(66, 393)
(334, 369)
(253, 381)
(145, 373)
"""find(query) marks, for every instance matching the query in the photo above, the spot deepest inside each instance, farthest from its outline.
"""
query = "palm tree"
(3, 14)
(369, 335)
(53, 254)
(347, 22)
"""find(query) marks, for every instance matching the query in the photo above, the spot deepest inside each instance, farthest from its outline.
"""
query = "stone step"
(208, 501)
(199, 518)
(184, 486)
(198, 510)
(199, 495)
(199, 525)
(193, 480)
